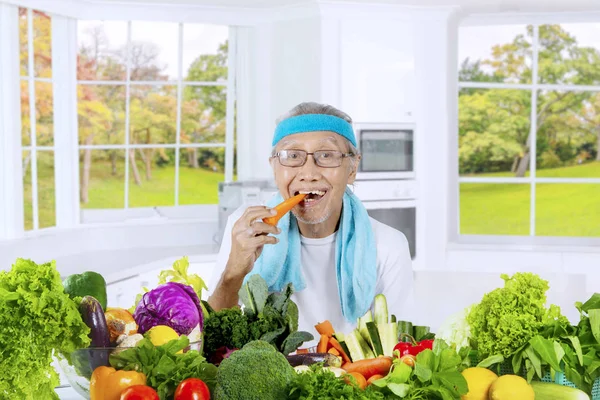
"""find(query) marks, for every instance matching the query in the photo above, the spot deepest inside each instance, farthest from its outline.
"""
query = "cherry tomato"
(192, 389)
(139, 392)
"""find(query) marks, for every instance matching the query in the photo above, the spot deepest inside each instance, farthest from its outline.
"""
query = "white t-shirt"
(320, 299)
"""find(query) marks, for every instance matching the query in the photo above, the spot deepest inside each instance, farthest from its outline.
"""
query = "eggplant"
(93, 316)
(328, 359)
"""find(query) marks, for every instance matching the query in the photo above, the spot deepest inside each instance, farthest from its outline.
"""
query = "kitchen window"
(529, 131)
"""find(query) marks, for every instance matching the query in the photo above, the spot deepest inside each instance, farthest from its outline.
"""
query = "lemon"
(161, 334)
(510, 387)
(479, 381)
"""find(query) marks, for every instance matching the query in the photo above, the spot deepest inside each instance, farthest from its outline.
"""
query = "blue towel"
(356, 257)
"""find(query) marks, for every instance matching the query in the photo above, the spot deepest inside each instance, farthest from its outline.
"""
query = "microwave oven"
(387, 151)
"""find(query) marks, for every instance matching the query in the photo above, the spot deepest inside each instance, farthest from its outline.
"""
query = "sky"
(477, 42)
(197, 39)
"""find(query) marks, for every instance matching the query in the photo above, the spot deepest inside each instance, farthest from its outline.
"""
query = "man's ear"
(354, 170)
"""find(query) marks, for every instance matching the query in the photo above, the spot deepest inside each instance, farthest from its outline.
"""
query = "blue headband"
(312, 123)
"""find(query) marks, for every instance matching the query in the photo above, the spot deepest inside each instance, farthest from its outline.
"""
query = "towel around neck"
(355, 255)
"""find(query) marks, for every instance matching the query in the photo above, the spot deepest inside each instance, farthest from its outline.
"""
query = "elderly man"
(335, 255)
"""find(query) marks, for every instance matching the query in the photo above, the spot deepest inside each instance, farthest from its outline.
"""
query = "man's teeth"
(317, 192)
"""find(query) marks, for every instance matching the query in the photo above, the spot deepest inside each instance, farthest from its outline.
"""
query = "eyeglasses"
(323, 158)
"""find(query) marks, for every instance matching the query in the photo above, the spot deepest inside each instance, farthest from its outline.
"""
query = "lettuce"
(37, 318)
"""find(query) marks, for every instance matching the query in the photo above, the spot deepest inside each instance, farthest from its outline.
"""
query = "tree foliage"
(495, 124)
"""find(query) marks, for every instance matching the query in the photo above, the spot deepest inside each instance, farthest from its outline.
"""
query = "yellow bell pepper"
(107, 383)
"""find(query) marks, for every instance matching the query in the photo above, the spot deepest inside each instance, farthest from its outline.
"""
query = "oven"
(387, 151)
(392, 203)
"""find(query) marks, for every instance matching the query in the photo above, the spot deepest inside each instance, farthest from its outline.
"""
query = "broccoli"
(257, 371)
(225, 328)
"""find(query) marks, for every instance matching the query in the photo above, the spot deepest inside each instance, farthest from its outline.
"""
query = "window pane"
(569, 54)
(205, 52)
(568, 134)
(27, 196)
(494, 209)
(567, 210)
(42, 45)
(25, 120)
(153, 114)
(154, 51)
(46, 192)
(151, 178)
(200, 172)
(101, 110)
(44, 114)
(499, 53)
(203, 114)
(102, 178)
(23, 41)
(102, 50)
(493, 132)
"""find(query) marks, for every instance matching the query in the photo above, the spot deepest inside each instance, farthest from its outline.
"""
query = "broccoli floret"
(256, 372)
(225, 328)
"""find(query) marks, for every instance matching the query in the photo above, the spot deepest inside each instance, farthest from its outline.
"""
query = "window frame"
(135, 213)
(456, 240)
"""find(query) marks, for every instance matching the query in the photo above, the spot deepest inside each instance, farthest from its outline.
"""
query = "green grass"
(561, 209)
(196, 186)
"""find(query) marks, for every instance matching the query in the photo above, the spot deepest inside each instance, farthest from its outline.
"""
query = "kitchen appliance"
(233, 195)
(392, 203)
(387, 150)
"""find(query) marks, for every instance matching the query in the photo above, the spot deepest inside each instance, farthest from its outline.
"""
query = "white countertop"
(67, 393)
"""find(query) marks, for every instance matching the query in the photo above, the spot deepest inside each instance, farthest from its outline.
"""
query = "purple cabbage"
(172, 304)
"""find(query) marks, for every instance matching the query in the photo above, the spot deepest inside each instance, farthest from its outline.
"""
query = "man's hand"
(248, 237)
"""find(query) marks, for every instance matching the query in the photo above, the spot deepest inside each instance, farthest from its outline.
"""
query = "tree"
(561, 60)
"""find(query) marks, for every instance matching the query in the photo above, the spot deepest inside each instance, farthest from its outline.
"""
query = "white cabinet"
(377, 70)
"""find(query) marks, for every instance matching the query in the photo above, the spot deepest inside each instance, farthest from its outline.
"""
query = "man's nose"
(310, 171)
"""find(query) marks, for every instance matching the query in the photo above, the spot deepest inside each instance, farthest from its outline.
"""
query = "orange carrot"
(336, 345)
(369, 367)
(302, 351)
(333, 351)
(361, 381)
(283, 208)
(374, 378)
(322, 346)
(325, 328)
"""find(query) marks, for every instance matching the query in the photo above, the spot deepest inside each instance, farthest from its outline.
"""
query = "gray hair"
(318, 108)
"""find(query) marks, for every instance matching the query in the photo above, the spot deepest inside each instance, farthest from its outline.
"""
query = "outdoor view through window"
(530, 90)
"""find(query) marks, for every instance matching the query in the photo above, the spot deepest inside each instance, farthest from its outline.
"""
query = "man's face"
(325, 186)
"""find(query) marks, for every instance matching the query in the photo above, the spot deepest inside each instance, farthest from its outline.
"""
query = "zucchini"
(362, 324)
(419, 332)
(404, 328)
(374, 339)
(344, 347)
(380, 310)
(388, 333)
(393, 318)
(358, 347)
(554, 391)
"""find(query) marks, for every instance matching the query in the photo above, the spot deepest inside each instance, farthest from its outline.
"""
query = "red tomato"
(192, 389)
(139, 392)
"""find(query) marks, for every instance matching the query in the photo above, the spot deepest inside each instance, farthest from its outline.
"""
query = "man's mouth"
(312, 196)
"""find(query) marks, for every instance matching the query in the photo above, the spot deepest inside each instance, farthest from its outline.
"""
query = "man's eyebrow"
(329, 139)
(287, 142)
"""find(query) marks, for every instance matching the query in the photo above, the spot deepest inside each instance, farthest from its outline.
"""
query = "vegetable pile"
(37, 318)
(272, 318)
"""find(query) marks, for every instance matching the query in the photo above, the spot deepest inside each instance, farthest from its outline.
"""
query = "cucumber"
(393, 318)
(358, 349)
(374, 339)
(344, 347)
(362, 324)
(420, 331)
(554, 391)
(380, 310)
(404, 327)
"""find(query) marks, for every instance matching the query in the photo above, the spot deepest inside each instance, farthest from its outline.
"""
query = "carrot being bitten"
(283, 208)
